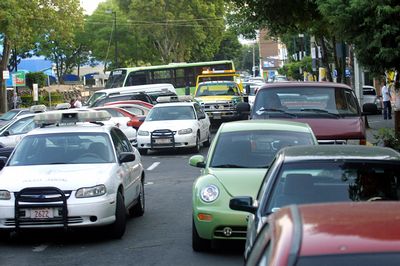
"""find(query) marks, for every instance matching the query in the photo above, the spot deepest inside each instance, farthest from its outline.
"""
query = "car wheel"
(208, 141)
(143, 151)
(117, 229)
(196, 148)
(199, 244)
(138, 209)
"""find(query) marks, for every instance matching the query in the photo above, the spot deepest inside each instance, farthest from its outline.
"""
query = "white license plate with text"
(42, 213)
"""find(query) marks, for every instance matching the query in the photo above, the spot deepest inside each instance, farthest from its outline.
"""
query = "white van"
(162, 87)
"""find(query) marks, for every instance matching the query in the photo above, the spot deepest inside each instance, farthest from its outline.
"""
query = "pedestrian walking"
(387, 105)
(78, 102)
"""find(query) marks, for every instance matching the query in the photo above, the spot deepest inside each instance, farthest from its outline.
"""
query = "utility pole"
(114, 13)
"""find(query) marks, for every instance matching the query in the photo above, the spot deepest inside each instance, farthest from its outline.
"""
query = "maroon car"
(331, 109)
(364, 233)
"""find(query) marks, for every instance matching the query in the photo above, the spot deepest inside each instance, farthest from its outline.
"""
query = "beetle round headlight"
(209, 193)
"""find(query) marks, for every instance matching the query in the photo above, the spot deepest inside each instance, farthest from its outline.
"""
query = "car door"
(130, 171)
(15, 131)
(121, 121)
(204, 124)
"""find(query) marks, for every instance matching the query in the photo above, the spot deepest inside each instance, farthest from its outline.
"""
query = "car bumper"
(179, 141)
(222, 114)
(96, 211)
(224, 224)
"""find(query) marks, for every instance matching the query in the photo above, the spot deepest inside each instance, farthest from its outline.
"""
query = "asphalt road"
(161, 237)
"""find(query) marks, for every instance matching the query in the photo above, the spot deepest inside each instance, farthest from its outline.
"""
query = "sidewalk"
(375, 123)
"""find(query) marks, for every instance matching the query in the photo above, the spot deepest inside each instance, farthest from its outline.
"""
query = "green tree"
(372, 26)
(248, 53)
(23, 22)
(229, 48)
(178, 30)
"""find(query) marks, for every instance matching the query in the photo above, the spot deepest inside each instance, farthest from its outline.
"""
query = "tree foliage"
(24, 22)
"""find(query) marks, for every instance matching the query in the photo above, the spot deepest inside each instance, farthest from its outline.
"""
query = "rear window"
(369, 92)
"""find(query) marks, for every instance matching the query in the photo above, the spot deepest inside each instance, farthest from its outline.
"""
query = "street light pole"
(115, 38)
(114, 13)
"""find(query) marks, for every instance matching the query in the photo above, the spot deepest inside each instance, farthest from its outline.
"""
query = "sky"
(90, 5)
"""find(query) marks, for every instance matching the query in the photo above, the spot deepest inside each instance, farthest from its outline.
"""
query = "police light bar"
(38, 108)
(170, 99)
(206, 72)
(67, 117)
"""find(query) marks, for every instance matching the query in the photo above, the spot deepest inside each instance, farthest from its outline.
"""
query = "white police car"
(175, 122)
(71, 174)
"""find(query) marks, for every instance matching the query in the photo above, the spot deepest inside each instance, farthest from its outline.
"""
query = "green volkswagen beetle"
(236, 163)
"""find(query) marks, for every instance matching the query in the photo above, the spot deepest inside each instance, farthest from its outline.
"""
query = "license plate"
(43, 213)
(217, 116)
(162, 141)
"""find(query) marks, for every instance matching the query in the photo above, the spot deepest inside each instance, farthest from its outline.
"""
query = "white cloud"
(90, 6)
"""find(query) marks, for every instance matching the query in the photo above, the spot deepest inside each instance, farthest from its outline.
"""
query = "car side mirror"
(126, 157)
(369, 109)
(3, 161)
(141, 119)
(201, 116)
(244, 203)
(197, 161)
(6, 133)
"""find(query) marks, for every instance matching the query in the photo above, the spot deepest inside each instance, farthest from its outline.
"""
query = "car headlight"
(88, 192)
(209, 193)
(143, 133)
(185, 131)
(5, 195)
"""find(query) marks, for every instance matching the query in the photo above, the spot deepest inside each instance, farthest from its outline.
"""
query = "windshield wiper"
(264, 110)
(229, 166)
(320, 111)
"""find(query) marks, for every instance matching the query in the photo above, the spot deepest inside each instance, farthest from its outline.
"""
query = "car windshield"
(333, 180)
(171, 113)
(253, 149)
(306, 102)
(217, 89)
(9, 115)
(116, 79)
(63, 148)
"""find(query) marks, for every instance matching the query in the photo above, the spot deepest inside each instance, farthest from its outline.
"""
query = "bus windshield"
(116, 78)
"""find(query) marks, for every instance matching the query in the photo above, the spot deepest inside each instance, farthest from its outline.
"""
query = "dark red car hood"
(343, 128)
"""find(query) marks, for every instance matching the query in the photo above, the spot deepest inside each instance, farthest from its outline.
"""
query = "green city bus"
(181, 75)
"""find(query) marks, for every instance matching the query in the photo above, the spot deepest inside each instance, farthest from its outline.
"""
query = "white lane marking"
(154, 165)
(40, 248)
(149, 183)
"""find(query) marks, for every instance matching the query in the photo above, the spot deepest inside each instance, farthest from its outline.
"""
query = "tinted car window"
(369, 92)
(254, 149)
(332, 181)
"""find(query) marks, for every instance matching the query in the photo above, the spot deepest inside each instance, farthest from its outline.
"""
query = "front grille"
(162, 137)
(33, 222)
(237, 232)
(41, 197)
(218, 106)
(332, 141)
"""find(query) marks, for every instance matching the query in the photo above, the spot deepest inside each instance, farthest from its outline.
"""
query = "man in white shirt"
(78, 103)
(387, 105)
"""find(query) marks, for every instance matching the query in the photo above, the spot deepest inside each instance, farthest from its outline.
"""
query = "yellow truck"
(219, 92)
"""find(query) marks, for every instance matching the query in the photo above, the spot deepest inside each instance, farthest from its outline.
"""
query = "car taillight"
(363, 142)
(130, 123)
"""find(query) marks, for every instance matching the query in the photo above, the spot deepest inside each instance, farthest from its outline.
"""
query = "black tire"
(143, 151)
(208, 141)
(196, 148)
(199, 244)
(117, 229)
(137, 210)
